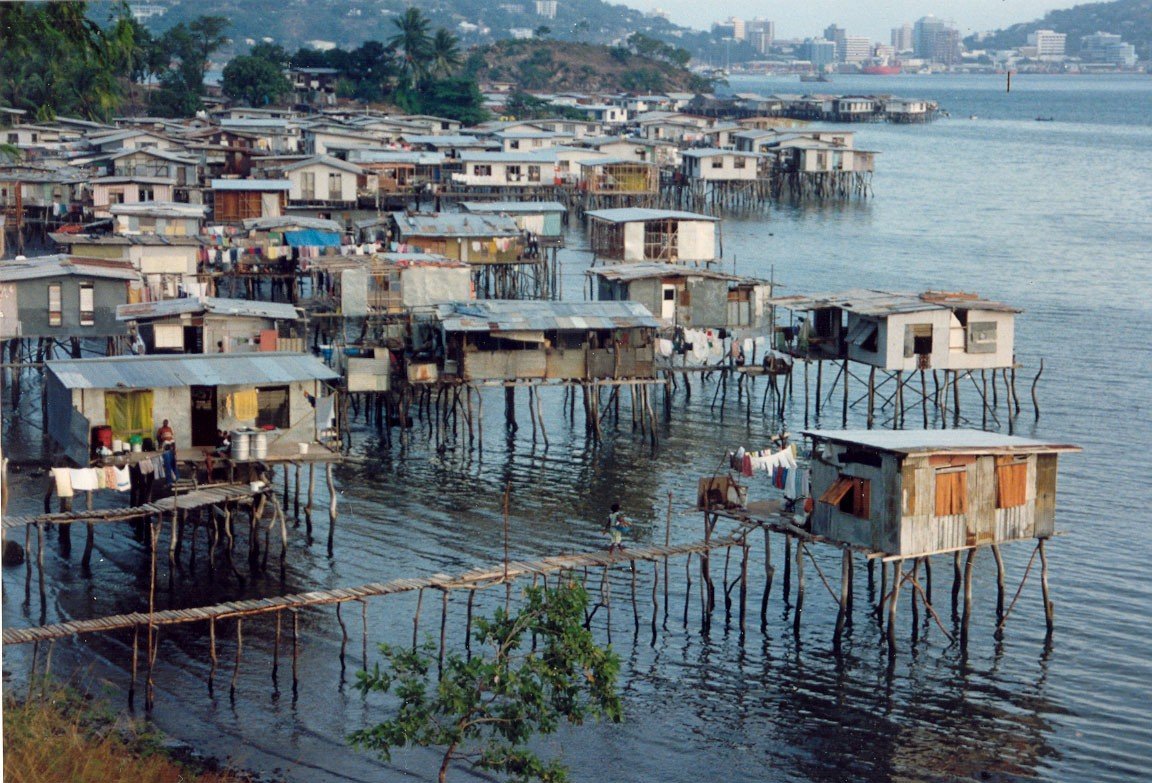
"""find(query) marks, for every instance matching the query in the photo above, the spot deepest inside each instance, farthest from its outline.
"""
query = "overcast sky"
(873, 18)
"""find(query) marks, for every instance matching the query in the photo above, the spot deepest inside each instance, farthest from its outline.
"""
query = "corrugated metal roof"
(396, 156)
(615, 161)
(251, 184)
(919, 441)
(515, 315)
(547, 155)
(160, 209)
(517, 207)
(711, 152)
(881, 303)
(635, 214)
(123, 180)
(247, 308)
(445, 140)
(292, 221)
(455, 224)
(646, 269)
(157, 372)
(325, 160)
(63, 265)
(124, 239)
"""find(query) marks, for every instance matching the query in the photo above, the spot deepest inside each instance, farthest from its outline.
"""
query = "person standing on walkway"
(617, 526)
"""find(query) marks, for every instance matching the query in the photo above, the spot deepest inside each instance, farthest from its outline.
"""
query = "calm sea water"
(1051, 216)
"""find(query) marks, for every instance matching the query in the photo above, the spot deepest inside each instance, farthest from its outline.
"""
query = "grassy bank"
(66, 736)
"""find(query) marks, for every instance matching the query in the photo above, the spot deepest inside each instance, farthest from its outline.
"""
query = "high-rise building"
(546, 8)
(730, 28)
(1107, 48)
(936, 40)
(856, 49)
(836, 34)
(818, 51)
(902, 38)
(1048, 43)
(761, 33)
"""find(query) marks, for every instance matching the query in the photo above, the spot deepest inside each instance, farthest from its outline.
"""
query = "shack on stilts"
(949, 337)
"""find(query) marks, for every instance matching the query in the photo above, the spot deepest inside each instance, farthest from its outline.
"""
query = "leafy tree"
(255, 80)
(55, 60)
(486, 708)
(192, 46)
(413, 43)
(543, 31)
(272, 52)
(445, 54)
(456, 98)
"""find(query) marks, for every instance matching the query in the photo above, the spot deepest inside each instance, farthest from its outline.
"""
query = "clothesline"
(787, 475)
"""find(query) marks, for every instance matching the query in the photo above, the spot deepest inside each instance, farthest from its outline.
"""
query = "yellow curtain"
(245, 405)
(129, 413)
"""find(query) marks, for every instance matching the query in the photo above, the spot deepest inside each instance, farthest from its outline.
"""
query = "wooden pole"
(331, 507)
(872, 398)
(1048, 607)
(897, 578)
(845, 415)
(842, 612)
(799, 587)
(667, 543)
(967, 615)
(999, 583)
(769, 572)
(89, 533)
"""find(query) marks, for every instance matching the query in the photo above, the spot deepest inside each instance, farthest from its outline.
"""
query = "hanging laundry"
(245, 404)
(145, 466)
(63, 477)
(123, 479)
(83, 479)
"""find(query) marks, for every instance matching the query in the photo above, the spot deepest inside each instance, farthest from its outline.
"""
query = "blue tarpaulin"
(312, 237)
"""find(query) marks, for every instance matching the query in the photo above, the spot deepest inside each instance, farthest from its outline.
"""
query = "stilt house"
(635, 234)
(199, 395)
(895, 331)
(63, 296)
(691, 297)
(920, 492)
(213, 325)
(500, 341)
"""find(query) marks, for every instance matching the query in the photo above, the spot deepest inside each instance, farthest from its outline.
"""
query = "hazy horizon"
(874, 20)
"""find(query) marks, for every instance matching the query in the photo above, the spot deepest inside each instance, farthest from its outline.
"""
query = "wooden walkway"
(470, 580)
(197, 498)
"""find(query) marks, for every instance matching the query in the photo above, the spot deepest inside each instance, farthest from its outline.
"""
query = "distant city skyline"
(874, 20)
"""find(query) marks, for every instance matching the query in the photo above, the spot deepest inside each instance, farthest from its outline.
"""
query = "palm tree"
(445, 53)
(414, 44)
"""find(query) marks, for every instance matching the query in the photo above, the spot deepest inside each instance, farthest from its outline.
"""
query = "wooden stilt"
(844, 417)
(893, 600)
(239, 651)
(872, 399)
(1048, 607)
(799, 587)
(842, 612)
(999, 583)
(967, 613)
(769, 572)
(331, 507)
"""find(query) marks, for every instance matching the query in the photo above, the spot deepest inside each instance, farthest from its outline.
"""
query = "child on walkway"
(617, 526)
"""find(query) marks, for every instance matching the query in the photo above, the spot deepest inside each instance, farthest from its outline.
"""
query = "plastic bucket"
(117, 445)
(240, 444)
(102, 436)
(259, 445)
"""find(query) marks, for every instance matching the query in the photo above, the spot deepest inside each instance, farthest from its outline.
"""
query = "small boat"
(1045, 119)
(813, 77)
